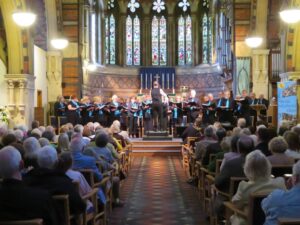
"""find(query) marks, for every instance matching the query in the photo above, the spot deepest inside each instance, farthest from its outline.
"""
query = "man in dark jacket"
(17, 201)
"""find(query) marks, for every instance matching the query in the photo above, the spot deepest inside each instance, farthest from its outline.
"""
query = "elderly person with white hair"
(278, 146)
(257, 169)
(31, 147)
(63, 143)
(48, 178)
(17, 201)
(284, 204)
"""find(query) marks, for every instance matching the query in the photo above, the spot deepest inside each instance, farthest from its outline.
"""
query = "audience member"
(278, 146)
(48, 178)
(209, 138)
(283, 204)
(214, 147)
(63, 144)
(263, 139)
(257, 170)
(292, 140)
(17, 201)
(194, 130)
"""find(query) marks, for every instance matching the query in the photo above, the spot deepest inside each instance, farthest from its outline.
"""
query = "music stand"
(258, 108)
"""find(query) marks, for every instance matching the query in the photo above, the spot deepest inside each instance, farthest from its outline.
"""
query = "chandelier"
(24, 18)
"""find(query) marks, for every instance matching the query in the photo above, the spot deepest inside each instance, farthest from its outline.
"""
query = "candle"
(173, 86)
(146, 82)
(163, 80)
(168, 80)
(141, 81)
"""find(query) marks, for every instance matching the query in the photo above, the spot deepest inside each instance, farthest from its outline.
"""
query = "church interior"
(136, 112)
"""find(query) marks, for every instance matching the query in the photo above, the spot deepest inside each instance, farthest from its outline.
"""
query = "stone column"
(54, 74)
(197, 48)
(21, 94)
(171, 41)
(146, 41)
(260, 72)
(120, 44)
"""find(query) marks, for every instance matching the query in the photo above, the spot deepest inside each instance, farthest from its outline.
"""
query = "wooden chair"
(185, 149)
(255, 215)
(288, 221)
(280, 170)
(89, 176)
(62, 201)
(23, 222)
(95, 215)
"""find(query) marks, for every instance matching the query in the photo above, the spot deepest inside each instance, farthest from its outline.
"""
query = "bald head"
(10, 162)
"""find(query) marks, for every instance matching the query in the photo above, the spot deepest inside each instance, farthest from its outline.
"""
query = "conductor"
(157, 106)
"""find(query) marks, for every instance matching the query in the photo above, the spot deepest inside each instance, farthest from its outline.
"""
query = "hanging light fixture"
(24, 18)
(59, 43)
(290, 15)
(254, 41)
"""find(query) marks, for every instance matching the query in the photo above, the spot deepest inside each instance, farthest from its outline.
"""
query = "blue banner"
(287, 102)
(164, 75)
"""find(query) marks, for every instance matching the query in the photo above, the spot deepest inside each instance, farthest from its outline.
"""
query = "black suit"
(56, 183)
(19, 202)
(190, 131)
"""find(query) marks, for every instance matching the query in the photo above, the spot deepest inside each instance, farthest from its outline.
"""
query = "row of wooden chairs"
(207, 190)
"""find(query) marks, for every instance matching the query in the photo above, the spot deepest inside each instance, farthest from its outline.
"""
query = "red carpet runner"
(156, 193)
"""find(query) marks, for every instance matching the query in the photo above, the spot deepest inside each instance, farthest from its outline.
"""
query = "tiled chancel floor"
(156, 193)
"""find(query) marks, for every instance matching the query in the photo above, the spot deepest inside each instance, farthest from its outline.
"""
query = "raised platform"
(157, 136)
(156, 147)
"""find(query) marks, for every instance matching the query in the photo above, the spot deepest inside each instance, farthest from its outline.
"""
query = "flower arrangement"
(3, 115)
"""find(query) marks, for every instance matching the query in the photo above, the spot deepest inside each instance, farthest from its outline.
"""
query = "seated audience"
(64, 164)
(48, 178)
(209, 138)
(258, 171)
(194, 130)
(232, 153)
(17, 201)
(262, 140)
(44, 141)
(115, 130)
(31, 148)
(293, 142)
(214, 147)
(283, 204)
(278, 146)
(63, 144)
(234, 167)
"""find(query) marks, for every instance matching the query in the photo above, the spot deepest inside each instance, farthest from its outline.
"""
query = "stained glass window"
(206, 33)
(159, 41)
(184, 40)
(110, 40)
(133, 51)
(184, 34)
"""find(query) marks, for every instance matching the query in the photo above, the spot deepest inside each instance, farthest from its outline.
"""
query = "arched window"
(184, 34)
(110, 33)
(206, 33)
(159, 35)
(133, 35)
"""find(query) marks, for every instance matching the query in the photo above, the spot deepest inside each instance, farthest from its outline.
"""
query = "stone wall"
(125, 81)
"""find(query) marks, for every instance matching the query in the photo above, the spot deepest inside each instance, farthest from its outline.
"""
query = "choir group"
(137, 112)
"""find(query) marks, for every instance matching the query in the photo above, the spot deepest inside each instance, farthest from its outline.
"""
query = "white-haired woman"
(257, 169)
(63, 144)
